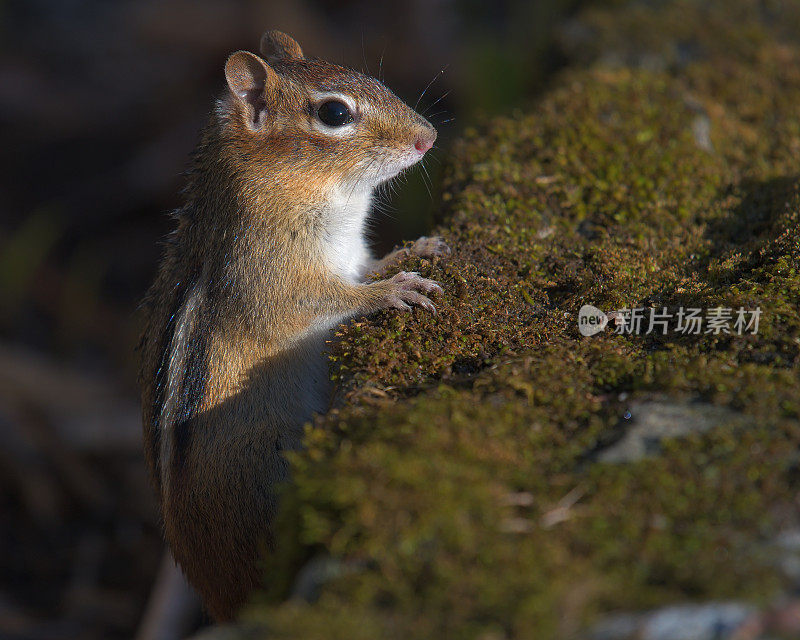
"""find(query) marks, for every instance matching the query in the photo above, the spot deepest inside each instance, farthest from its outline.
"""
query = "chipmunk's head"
(319, 124)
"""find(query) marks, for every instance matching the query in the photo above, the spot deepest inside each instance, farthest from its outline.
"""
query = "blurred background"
(100, 105)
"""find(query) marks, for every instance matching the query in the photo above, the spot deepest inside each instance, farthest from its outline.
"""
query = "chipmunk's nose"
(425, 140)
(423, 144)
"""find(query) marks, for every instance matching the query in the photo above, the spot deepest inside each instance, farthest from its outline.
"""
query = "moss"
(457, 479)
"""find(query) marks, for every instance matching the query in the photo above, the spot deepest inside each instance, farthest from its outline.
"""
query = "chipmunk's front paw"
(409, 288)
(430, 247)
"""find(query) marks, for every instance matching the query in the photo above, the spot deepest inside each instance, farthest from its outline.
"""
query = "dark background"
(100, 105)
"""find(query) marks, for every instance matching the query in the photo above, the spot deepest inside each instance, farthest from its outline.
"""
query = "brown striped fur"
(268, 255)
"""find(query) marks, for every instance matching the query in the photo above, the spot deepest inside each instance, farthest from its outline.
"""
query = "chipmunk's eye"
(334, 113)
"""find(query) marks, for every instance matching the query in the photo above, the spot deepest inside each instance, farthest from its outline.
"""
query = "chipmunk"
(268, 256)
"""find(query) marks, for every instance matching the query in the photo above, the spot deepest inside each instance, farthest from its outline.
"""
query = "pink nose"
(423, 144)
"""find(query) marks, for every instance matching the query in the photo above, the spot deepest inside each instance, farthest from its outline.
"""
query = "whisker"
(384, 206)
(356, 182)
(429, 182)
(363, 52)
(435, 102)
(439, 73)
(380, 64)
(438, 113)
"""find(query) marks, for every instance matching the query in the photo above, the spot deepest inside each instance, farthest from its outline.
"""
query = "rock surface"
(648, 423)
(715, 621)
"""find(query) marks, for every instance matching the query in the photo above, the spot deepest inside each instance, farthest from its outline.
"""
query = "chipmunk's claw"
(430, 247)
(410, 289)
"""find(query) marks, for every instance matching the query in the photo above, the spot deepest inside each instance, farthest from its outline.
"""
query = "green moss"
(456, 481)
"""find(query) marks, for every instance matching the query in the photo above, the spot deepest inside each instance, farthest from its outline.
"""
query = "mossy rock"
(457, 489)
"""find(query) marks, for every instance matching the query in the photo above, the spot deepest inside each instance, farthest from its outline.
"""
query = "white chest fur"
(342, 243)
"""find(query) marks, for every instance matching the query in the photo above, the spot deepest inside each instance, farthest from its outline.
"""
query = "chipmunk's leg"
(402, 291)
(424, 247)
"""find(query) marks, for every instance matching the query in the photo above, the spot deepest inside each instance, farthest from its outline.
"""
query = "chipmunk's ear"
(251, 81)
(276, 44)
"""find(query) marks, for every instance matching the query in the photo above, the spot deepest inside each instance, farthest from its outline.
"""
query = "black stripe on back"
(194, 384)
(165, 349)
